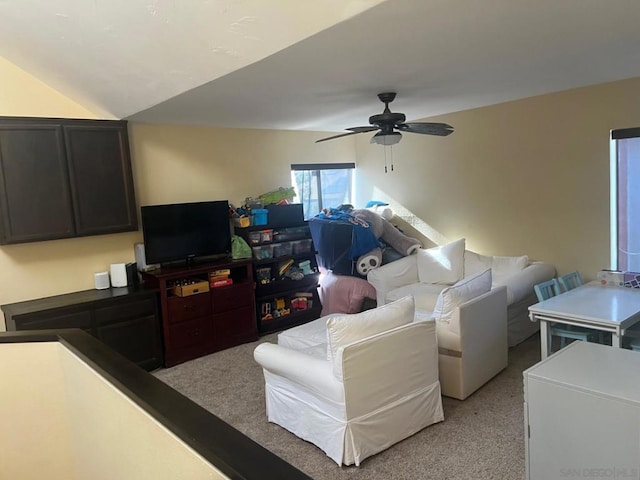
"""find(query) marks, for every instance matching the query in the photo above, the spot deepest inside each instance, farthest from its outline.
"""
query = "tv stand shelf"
(209, 320)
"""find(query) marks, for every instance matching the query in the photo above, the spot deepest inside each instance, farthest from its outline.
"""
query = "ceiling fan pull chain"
(385, 159)
(391, 152)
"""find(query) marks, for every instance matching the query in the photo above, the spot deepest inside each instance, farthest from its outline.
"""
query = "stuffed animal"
(385, 231)
(381, 208)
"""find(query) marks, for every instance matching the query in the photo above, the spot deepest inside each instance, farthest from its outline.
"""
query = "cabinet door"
(132, 328)
(138, 339)
(101, 179)
(35, 202)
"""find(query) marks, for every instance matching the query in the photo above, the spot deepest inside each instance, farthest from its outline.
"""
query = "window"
(625, 199)
(323, 185)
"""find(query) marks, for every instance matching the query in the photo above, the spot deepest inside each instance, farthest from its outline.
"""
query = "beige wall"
(524, 177)
(182, 163)
(113, 438)
(62, 421)
(36, 436)
(21, 94)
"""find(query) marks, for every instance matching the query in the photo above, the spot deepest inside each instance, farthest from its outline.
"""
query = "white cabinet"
(582, 414)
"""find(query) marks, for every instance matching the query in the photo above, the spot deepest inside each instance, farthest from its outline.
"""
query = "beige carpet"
(481, 437)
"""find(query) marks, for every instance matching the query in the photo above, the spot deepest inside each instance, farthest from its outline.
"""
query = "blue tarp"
(363, 239)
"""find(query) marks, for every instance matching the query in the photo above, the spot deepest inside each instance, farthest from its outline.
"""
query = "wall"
(523, 177)
(113, 438)
(183, 163)
(170, 163)
(33, 407)
(92, 430)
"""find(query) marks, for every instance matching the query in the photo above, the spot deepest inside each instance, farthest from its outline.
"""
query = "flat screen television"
(184, 231)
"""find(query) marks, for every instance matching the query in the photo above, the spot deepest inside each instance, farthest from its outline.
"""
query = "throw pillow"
(452, 297)
(504, 266)
(475, 263)
(443, 264)
(345, 329)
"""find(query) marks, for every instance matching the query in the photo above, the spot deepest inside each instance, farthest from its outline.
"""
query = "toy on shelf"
(280, 310)
(302, 301)
(280, 196)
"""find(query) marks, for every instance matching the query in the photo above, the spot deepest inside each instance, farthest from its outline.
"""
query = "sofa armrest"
(398, 273)
(475, 323)
(477, 344)
(520, 284)
(310, 373)
(482, 321)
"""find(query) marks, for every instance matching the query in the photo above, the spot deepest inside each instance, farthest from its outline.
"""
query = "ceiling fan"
(388, 123)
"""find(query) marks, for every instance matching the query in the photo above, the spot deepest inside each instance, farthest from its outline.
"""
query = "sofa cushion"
(452, 297)
(443, 264)
(475, 263)
(307, 335)
(317, 351)
(506, 266)
(424, 294)
(345, 329)
(506, 270)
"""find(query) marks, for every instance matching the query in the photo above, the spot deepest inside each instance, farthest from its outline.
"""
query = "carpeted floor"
(481, 437)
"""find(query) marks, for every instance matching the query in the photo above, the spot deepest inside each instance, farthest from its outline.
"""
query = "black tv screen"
(183, 231)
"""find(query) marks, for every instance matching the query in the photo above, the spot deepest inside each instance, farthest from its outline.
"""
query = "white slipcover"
(400, 277)
(374, 393)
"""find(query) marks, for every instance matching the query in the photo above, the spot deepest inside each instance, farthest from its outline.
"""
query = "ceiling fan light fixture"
(386, 138)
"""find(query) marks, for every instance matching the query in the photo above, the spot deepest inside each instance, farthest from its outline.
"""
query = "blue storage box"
(259, 216)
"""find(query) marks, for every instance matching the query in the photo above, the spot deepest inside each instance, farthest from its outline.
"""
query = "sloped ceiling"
(306, 65)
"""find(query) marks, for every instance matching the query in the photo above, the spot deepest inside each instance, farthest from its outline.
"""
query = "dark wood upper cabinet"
(63, 178)
(101, 180)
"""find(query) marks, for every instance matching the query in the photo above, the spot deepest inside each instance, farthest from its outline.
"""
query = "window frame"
(318, 167)
(614, 188)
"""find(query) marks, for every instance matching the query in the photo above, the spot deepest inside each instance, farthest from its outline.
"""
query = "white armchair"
(357, 384)
(470, 317)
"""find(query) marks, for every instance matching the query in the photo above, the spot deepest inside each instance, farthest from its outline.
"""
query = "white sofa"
(517, 274)
(354, 384)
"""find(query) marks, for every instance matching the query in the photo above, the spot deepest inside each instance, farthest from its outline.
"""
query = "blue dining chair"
(546, 290)
(551, 288)
(570, 281)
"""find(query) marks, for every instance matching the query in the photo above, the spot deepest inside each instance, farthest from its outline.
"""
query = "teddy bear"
(383, 230)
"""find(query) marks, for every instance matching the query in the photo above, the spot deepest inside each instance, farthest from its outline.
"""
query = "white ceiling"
(305, 65)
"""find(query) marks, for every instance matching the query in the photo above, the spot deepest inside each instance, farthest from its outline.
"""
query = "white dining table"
(603, 308)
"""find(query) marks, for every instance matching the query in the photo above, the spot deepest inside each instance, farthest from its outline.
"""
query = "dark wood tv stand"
(208, 321)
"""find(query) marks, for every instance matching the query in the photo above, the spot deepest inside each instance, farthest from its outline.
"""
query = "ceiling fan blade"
(354, 131)
(368, 128)
(440, 129)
